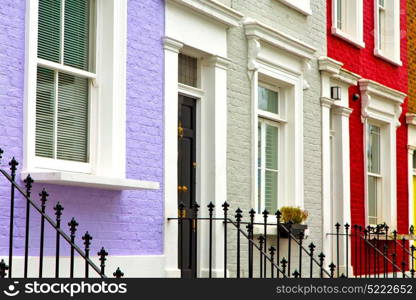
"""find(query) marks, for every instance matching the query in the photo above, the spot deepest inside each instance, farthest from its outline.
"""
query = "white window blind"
(374, 175)
(268, 152)
(188, 70)
(64, 76)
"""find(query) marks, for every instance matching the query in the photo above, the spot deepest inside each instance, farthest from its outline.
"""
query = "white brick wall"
(311, 30)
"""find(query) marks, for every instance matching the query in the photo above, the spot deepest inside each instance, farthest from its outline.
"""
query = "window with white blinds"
(374, 197)
(64, 74)
(268, 150)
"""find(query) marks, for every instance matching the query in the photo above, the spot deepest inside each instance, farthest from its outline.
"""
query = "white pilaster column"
(343, 157)
(326, 104)
(410, 152)
(341, 206)
(214, 158)
(172, 48)
(391, 213)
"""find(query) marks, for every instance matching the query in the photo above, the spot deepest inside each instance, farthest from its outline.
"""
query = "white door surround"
(336, 191)
(185, 21)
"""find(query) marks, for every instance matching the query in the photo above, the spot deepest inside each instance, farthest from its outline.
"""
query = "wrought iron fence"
(6, 269)
(355, 251)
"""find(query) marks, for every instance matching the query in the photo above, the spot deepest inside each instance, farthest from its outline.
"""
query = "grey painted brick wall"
(311, 30)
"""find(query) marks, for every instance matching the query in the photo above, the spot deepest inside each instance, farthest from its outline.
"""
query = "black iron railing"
(6, 269)
(355, 251)
(378, 252)
(272, 262)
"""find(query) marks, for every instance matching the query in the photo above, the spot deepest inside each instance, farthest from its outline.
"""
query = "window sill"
(348, 38)
(379, 54)
(272, 230)
(302, 9)
(91, 181)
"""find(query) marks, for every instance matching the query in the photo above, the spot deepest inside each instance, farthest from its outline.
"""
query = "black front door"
(186, 184)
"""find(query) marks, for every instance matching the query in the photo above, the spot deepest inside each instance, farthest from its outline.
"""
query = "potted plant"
(293, 217)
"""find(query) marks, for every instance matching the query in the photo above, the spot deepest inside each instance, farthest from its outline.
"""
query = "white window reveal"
(75, 97)
(374, 198)
(269, 123)
(387, 30)
(347, 21)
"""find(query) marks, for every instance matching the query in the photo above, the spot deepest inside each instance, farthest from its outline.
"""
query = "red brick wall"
(364, 63)
(411, 36)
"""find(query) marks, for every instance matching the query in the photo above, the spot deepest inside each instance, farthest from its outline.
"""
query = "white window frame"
(380, 198)
(57, 68)
(107, 95)
(381, 106)
(278, 121)
(302, 6)
(270, 80)
(352, 29)
(388, 48)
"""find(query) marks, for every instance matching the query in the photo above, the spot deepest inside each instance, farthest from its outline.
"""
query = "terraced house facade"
(207, 138)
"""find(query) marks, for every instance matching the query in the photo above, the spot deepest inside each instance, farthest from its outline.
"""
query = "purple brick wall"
(126, 222)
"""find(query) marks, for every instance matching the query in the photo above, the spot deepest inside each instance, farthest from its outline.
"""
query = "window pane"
(268, 100)
(271, 147)
(259, 165)
(372, 200)
(72, 118)
(49, 30)
(381, 28)
(76, 34)
(339, 14)
(188, 70)
(271, 188)
(414, 160)
(259, 145)
(373, 149)
(45, 112)
(259, 190)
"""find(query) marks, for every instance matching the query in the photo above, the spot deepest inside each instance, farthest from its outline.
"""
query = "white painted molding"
(327, 64)
(88, 180)
(327, 102)
(302, 6)
(342, 111)
(172, 44)
(254, 49)
(371, 90)
(393, 61)
(213, 9)
(190, 91)
(411, 119)
(218, 62)
(334, 68)
(265, 33)
(346, 37)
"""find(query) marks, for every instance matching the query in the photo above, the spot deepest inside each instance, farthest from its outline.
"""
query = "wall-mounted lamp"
(355, 97)
(335, 93)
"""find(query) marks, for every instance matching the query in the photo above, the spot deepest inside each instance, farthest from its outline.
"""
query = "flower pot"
(296, 229)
